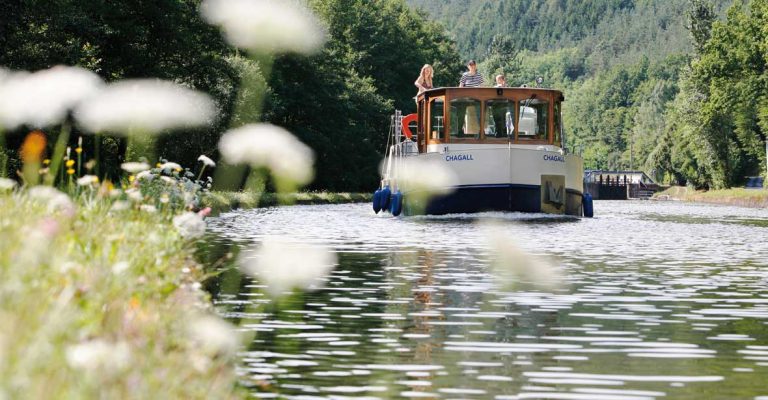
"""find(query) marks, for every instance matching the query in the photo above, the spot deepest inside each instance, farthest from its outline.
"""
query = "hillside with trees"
(676, 88)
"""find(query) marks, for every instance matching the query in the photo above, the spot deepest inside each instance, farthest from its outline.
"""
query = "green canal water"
(659, 300)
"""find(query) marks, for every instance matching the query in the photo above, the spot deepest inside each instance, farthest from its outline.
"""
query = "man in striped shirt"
(471, 78)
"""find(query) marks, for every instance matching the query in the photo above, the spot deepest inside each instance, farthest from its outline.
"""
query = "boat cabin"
(489, 115)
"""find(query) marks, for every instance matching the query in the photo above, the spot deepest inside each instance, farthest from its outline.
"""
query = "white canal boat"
(505, 147)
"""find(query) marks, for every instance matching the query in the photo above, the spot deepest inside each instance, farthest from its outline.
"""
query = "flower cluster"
(168, 186)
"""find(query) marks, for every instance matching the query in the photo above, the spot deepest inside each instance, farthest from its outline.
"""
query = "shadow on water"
(650, 308)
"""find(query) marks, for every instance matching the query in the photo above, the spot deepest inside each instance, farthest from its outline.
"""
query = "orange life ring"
(406, 121)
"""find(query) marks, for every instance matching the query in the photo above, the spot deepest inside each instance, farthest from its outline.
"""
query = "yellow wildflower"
(131, 178)
(70, 163)
(78, 150)
(46, 161)
(70, 171)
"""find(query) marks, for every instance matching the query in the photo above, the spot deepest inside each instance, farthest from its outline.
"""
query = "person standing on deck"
(471, 78)
(500, 81)
(424, 81)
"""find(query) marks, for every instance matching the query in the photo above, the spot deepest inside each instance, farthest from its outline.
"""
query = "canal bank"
(224, 201)
(738, 197)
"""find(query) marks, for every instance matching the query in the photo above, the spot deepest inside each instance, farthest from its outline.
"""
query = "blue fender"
(586, 203)
(377, 201)
(386, 193)
(397, 203)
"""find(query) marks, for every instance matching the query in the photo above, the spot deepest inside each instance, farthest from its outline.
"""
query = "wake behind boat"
(505, 147)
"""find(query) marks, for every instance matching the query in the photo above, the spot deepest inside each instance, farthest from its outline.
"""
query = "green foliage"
(339, 101)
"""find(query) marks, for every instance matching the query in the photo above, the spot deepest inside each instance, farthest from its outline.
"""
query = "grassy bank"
(755, 198)
(223, 201)
(100, 303)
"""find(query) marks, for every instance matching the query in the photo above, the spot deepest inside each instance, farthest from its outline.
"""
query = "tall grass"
(104, 304)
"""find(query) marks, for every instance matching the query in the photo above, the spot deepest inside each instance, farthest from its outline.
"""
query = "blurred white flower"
(134, 167)
(144, 106)
(170, 166)
(145, 175)
(134, 195)
(206, 161)
(120, 267)
(120, 205)
(265, 145)
(45, 97)
(512, 265)
(266, 25)
(429, 176)
(282, 264)
(190, 225)
(148, 208)
(56, 200)
(7, 184)
(213, 336)
(87, 180)
(99, 356)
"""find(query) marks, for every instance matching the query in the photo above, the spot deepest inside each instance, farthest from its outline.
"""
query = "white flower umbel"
(134, 167)
(206, 161)
(212, 336)
(56, 200)
(169, 167)
(512, 266)
(144, 106)
(7, 184)
(45, 97)
(88, 180)
(428, 176)
(190, 225)
(270, 26)
(265, 145)
(99, 356)
(281, 264)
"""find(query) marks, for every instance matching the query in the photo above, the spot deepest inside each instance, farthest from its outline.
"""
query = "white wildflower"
(266, 25)
(119, 267)
(144, 107)
(99, 356)
(212, 336)
(168, 180)
(429, 176)
(120, 205)
(134, 195)
(512, 265)
(190, 225)
(134, 167)
(148, 208)
(7, 184)
(265, 145)
(145, 175)
(56, 200)
(206, 161)
(87, 180)
(284, 265)
(170, 166)
(45, 97)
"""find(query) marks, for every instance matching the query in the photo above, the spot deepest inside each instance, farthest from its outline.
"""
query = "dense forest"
(676, 88)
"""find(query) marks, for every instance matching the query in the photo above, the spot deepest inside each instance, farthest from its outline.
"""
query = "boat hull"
(499, 197)
(532, 179)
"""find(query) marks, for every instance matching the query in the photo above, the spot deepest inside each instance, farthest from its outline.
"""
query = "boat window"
(533, 119)
(436, 123)
(499, 118)
(558, 125)
(465, 118)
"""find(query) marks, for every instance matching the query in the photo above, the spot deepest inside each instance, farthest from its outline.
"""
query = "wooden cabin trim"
(484, 94)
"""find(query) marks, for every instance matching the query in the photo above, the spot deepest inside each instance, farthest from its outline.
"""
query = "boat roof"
(491, 92)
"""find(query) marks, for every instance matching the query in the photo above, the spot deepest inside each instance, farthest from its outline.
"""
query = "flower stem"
(58, 153)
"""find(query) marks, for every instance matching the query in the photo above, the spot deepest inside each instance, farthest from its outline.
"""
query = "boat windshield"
(465, 118)
(499, 118)
(533, 119)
